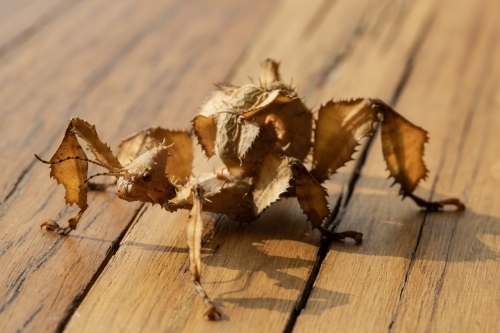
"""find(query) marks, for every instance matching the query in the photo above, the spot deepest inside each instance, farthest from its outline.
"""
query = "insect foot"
(52, 225)
(435, 206)
(341, 236)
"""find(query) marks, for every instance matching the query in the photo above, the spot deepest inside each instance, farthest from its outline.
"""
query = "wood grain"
(256, 291)
(419, 272)
(22, 19)
(128, 65)
(48, 275)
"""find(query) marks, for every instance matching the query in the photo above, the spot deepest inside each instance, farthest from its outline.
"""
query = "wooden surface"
(126, 65)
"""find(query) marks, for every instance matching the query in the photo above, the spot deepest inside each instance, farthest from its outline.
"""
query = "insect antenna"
(110, 168)
(100, 174)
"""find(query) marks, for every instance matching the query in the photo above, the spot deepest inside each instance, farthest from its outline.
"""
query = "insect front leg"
(69, 166)
(194, 238)
(52, 225)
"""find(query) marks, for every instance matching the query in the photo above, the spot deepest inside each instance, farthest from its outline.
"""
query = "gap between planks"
(70, 311)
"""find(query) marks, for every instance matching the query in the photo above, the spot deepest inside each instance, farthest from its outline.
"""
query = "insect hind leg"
(434, 206)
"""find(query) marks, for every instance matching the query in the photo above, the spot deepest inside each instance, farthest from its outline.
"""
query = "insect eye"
(146, 176)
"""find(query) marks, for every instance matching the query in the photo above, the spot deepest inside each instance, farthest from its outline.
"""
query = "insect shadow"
(257, 253)
(469, 236)
(254, 250)
(274, 248)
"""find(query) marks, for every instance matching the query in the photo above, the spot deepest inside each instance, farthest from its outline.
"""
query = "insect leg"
(341, 236)
(433, 206)
(194, 238)
(312, 199)
(52, 225)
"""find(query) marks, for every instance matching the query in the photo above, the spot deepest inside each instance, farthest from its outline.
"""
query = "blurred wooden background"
(126, 65)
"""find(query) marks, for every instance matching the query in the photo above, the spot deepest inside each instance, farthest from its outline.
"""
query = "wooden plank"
(155, 70)
(258, 294)
(46, 77)
(151, 267)
(22, 19)
(46, 275)
(451, 284)
(428, 272)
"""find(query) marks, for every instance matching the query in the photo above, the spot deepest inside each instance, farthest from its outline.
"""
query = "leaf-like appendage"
(179, 163)
(248, 132)
(293, 125)
(310, 194)
(268, 102)
(291, 118)
(71, 173)
(245, 98)
(403, 149)
(101, 150)
(226, 195)
(339, 127)
(216, 100)
(234, 137)
(205, 130)
(272, 181)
